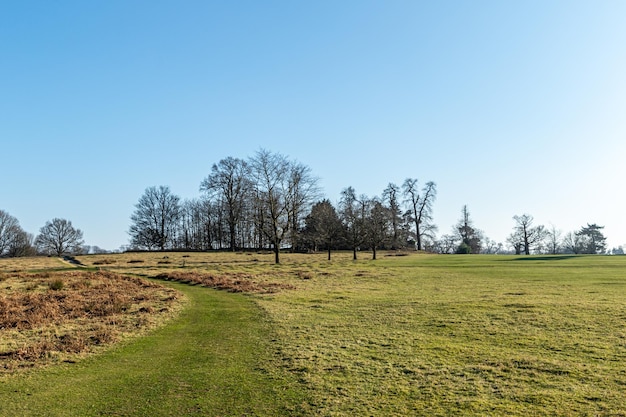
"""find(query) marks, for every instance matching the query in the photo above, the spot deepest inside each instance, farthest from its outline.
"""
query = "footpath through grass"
(212, 360)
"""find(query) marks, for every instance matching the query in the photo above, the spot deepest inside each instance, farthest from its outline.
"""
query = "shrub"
(56, 284)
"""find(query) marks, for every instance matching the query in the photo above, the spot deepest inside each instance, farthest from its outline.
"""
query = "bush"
(56, 285)
(464, 249)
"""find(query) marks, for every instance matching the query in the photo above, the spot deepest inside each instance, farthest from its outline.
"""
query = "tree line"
(526, 238)
(56, 237)
(271, 202)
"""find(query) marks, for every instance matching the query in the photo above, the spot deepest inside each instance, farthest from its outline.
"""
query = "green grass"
(460, 336)
(412, 335)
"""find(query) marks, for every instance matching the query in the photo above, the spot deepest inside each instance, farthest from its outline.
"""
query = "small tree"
(59, 237)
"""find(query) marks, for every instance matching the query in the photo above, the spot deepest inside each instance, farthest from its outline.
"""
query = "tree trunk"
(276, 253)
(354, 253)
(374, 253)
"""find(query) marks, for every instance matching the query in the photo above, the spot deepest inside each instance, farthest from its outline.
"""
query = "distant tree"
(593, 241)
(390, 197)
(9, 231)
(516, 240)
(528, 235)
(421, 205)
(230, 184)
(155, 220)
(323, 226)
(572, 243)
(553, 240)
(22, 244)
(491, 246)
(302, 190)
(470, 237)
(353, 216)
(446, 244)
(377, 225)
(59, 237)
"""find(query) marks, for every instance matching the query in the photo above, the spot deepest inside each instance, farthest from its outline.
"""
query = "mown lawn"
(404, 335)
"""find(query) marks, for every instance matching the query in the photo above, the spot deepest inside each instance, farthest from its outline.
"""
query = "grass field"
(405, 335)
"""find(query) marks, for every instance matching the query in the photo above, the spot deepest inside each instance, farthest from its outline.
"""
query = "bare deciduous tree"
(553, 240)
(229, 183)
(390, 196)
(353, 215)
(302, 191)
(421, 206)
(528, 235)
(155, 220)
(59, 237)
(377, 224)
(283, 190)
(9, 229)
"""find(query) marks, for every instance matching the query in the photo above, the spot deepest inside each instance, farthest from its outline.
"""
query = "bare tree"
(377, 224)
(22, 244)
(421, 205)
(9, 229)
(446, 244)
(302, 191)
(155, 220)
(59, 237)
(229, 182)
(553, 239)
(573, 243)
(283, 190)
(353, 215)
(390, 196)
(527, 234)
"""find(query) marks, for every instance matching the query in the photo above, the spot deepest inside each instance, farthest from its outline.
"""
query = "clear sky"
(509, 107)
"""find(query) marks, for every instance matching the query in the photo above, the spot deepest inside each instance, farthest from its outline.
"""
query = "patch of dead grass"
(233, 282)
(53, 316)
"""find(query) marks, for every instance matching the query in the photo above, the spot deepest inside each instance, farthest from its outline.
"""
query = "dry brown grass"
(53, 316)
(233, 282)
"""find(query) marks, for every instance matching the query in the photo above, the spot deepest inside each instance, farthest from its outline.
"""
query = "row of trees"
(57, 237)
(272, 202)
(526, 238)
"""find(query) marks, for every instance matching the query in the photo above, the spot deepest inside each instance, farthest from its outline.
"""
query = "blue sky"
(510, 107)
